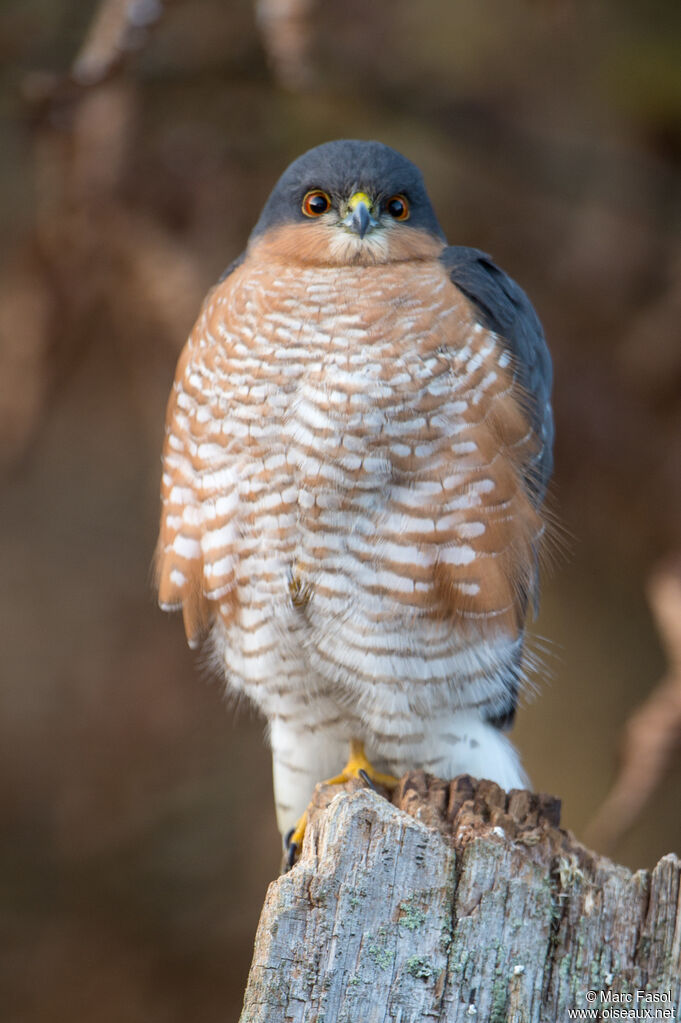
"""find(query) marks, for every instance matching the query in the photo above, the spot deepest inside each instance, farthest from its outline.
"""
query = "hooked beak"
(359, 218)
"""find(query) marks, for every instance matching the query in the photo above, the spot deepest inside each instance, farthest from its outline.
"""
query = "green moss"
(459, 956)
(412, 915)
(383, 957)
(499, 1002)
(420, 966)
(355, 896)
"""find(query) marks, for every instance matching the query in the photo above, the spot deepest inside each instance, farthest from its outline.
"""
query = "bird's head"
(350, 202)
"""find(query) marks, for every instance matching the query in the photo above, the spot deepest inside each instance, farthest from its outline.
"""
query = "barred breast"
(344, 505)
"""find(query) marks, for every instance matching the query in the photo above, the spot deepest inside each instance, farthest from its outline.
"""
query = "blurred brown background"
(139, 141)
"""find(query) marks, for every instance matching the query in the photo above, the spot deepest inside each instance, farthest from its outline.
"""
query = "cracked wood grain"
(458, 902)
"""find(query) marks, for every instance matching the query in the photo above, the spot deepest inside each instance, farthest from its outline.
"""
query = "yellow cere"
(359, 197)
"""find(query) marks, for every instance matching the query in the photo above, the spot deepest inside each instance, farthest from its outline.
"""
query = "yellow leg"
(357, 767)
(295, 837)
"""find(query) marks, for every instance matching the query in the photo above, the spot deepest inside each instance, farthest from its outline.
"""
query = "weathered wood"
(460, 902)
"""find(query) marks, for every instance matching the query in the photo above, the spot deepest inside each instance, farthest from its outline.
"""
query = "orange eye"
(398, 207)
(315, 203)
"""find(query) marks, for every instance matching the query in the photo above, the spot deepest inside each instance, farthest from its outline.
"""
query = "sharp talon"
(293, 842)
(366, 779)
(291, 849)
(291, 852)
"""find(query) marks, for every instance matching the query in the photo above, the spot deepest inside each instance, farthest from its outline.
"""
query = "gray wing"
(504, 307)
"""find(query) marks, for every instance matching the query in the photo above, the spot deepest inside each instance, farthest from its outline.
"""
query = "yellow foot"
(357, 767)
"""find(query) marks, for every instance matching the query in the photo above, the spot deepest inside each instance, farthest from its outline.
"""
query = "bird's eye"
(315, 203)
(398, 207)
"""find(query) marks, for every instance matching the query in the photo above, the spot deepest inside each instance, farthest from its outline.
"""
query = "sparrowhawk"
(358, 442)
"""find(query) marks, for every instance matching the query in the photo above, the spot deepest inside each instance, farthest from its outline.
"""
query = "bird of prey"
(357, 448)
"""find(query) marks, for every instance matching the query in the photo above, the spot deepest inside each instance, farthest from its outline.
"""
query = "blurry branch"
(652, 736)
(118, 29)
(92, 269)
(286, 32)
(461, 902)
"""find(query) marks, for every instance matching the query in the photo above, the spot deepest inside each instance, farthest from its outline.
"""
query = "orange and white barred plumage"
(346, 508)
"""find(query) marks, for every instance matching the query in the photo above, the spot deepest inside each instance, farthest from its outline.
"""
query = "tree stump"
(460, 902)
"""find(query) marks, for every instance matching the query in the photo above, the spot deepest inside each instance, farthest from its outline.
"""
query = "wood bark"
(457, 902)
